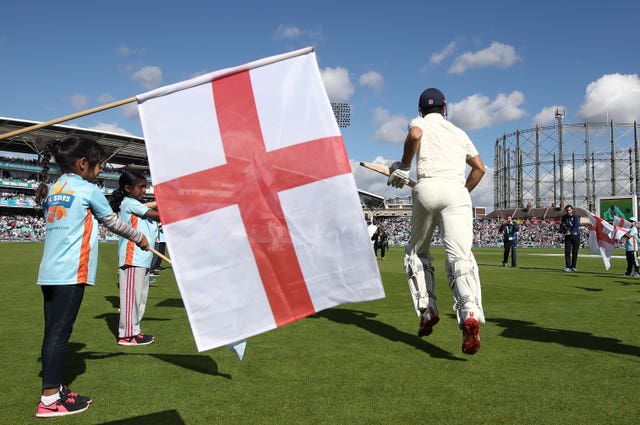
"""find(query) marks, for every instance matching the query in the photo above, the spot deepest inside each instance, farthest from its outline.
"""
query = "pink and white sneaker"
(62, 407)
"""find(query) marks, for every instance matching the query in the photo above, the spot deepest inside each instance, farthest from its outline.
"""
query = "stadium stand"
(21, 218)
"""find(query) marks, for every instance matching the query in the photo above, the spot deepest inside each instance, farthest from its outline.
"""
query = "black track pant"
(61, 306)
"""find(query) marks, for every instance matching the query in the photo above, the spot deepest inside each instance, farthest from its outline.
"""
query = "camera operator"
(509, 230)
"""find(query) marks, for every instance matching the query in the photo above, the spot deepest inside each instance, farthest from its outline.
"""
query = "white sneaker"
(567, 269)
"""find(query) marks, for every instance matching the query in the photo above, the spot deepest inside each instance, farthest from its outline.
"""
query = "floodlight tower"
(559, 115)
(342, 111)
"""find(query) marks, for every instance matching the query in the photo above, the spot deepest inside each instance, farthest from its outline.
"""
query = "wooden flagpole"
(68, 117)
(168, 260)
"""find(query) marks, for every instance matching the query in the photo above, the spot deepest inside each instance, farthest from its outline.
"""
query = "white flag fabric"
(620, 228)
(601, 238)
(255, 192)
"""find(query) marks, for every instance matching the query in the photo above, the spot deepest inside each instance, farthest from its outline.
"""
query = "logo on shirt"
(58, 202)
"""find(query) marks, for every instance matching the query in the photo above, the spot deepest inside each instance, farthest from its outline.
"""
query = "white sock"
(50, 399)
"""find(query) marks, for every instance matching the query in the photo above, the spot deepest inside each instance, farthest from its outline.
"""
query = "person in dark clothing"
(509, 230)
(570, 228)
(380, 242)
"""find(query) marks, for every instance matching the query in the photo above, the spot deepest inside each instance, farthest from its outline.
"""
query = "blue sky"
(502, 65)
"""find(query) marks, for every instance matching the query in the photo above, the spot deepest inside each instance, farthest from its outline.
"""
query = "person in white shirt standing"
(441, 198)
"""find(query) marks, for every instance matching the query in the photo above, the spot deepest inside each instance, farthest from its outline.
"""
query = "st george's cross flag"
(260, 209)
(620, 227)
(601, 238)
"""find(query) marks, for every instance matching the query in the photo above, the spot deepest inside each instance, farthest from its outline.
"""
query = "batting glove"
(399, 174)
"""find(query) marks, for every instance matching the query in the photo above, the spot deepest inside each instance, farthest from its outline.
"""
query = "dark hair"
(66, 152)
(127, 178)
(432, 110)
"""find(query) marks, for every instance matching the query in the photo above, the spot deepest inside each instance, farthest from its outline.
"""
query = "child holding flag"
(134, 263)
(631, 248)
(73, 206)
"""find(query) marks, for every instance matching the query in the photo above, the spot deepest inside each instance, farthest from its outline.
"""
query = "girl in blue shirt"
(72, 207)
(134, 263)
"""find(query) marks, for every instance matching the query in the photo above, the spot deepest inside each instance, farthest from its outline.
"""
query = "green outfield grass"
(558, 348)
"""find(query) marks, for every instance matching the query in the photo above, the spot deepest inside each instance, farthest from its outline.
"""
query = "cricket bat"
(383, 169)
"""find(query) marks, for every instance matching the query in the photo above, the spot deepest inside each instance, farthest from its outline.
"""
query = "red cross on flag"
(258, 203)
(601, 238)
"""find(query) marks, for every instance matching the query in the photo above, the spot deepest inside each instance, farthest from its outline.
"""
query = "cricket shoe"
(428, 320)
(140, 339)
(62, 407)
(470, 335)
(65, 392)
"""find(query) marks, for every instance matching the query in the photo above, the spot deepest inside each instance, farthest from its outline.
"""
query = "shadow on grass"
(168, 417)
(499, 266)
(364, 320)
(114, 300)
(171, 302)
(75, 362)
(588, 289)
(626, 282)
(168, 302)
(197, 363)
(113, 320)
(527, 330)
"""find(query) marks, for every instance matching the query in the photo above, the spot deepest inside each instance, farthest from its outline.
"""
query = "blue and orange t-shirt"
(133, 213)
(71, 244)
(631, 243)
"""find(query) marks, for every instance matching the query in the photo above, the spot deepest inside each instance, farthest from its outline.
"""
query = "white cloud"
(478, 111)
(109, 128)
(391, 128)
(482, 194)
(438, 57)
(372, 182)
(130, 110)
(547, 115)
(338, 84)
(105, 98)
(291, 32)
(612, 97)
(128, 51)
(149, 77)
(372, 80)
(497, 55)
(79, 100)
(284, 32)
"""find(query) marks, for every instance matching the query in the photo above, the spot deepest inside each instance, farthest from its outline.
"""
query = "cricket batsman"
(441, 198)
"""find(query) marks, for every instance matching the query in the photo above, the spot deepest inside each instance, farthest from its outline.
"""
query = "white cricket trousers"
(134, 291)
(446, 203)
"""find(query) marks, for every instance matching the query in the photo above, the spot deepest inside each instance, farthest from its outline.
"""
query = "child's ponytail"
(43, 190)
(116, 199)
